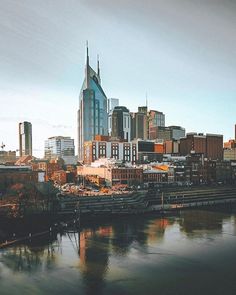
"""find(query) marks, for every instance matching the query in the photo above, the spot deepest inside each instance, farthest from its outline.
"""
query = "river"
(192, 253)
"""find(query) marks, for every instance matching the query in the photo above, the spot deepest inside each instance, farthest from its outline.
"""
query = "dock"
(147, 201)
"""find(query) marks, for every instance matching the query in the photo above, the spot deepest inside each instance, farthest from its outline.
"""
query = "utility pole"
(3, 146)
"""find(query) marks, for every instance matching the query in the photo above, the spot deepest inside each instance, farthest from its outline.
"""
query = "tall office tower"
(139, 124)
(92, 113)
(119, 124)
(60, 147)
(143, 109)
(25, 139)
(112, 103)
(155, 119)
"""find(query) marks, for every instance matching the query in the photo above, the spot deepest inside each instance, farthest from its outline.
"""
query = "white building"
(60, 147)
(112, 103)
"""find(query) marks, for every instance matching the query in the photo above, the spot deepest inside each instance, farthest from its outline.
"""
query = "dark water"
(194, 253)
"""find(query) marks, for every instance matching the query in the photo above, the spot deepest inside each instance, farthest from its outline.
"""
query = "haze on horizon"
(181, 53)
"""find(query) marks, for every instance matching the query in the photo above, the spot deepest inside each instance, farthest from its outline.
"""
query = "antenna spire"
(146, 100)
(98, 66)
(87, 52)
(87, 71)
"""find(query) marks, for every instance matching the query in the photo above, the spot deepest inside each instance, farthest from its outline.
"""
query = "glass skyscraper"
(62, 147)
(92, 113)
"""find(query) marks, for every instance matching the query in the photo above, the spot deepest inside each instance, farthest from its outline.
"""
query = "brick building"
(171, 147)
(210, 145)
(152, 176)
(113, 175)
(45, 165)
(59, 176)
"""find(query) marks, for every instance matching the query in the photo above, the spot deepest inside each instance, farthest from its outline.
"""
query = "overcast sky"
(182, 53)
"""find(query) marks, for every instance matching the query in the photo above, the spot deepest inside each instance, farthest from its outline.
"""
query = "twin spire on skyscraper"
(89, 70)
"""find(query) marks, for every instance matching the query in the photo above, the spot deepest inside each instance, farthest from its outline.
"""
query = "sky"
(180, 53)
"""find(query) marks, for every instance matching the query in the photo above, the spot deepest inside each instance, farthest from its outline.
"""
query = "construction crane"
(2, 146)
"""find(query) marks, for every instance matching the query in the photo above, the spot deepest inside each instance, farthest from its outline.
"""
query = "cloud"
(38, 121)
(62, 126)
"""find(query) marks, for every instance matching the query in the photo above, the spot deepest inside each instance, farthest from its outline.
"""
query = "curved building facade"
(92, 113)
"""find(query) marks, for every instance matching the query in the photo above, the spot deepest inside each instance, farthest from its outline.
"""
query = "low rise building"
(135, 152)
(24, 160)
(113, 172)
(233, 171)
(153, 174)
(230, 154)
(7, 157)
(210, 145)
(10, 175)
(170, 133)
(59, 177)
(230, 144)
(49, 167)
(124, 151)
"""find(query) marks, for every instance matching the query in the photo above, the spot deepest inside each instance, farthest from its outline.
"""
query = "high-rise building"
(143, 109)
(25, 138)
(144, 123)
(119, 124)
(155, 119)
(139, 124)
(60, 147)
(112, 103)
(92, 113)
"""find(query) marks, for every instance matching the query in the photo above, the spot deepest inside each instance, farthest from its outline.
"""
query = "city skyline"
(183, 59)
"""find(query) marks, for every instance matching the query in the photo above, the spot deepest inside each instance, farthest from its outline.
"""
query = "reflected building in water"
(29, 259)
(94, 254)
(201, 221)
(89, 259)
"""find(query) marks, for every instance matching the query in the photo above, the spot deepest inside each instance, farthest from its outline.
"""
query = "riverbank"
(81, 210)
(139, 202)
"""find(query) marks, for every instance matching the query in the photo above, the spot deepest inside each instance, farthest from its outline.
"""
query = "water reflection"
(30, 257)
(96, 253)
(94, 258)
(193, 221)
